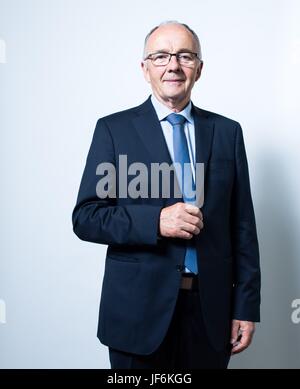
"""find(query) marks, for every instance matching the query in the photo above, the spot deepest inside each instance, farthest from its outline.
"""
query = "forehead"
(171, 37)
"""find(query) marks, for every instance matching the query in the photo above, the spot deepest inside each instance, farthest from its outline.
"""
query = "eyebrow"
(167, 51)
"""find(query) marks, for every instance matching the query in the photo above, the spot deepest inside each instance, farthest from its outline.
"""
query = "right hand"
(180, 221)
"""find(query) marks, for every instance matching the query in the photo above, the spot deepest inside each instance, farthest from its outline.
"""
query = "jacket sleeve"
(102, 220)
(245, 243)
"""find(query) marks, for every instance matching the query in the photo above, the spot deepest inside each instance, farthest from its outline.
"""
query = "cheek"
(191, 77)
(157, 77)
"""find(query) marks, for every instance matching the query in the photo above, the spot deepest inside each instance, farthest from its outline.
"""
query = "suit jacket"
(143, 272)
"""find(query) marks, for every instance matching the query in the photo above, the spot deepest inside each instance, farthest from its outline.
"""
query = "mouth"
(174, 81)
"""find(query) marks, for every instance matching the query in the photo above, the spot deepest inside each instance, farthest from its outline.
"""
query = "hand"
(241, 335)
(180, 221)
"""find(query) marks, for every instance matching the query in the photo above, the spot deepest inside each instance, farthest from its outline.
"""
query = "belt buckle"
(187, 282)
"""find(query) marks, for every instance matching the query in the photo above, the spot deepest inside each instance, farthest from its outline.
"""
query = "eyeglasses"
(162, 59)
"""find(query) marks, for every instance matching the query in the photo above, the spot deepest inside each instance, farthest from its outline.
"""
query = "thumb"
(234, 331)
(191, 207)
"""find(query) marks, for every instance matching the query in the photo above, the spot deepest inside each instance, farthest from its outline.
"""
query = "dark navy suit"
(142, 271)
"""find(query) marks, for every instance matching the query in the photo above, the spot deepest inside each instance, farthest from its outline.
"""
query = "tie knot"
(174, 119)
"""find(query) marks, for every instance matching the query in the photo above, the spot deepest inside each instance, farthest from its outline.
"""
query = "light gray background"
(68, 62)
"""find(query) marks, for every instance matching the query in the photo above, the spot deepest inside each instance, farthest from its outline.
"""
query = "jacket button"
(179, 268)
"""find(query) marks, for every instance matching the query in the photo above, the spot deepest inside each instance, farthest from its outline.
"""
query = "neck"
(175, 105)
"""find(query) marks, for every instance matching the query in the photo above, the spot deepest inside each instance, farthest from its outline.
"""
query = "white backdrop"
(64, 64)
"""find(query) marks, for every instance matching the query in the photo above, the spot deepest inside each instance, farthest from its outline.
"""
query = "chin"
(175, 96)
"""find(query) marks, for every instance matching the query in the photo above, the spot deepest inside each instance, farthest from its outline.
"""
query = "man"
(181, 287)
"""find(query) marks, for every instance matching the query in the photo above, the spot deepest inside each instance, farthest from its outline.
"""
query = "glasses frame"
(149, 57)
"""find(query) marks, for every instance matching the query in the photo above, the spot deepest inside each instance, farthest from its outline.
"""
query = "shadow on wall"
(277, 339)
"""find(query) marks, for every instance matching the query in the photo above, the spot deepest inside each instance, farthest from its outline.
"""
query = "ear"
(199, 70)
(145, 69)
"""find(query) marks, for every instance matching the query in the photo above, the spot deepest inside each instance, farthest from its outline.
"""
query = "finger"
(234, 331)
(191, 228)
(184, 235)
(192, 219)
(200, 224)
(193, 210)
(242, 344)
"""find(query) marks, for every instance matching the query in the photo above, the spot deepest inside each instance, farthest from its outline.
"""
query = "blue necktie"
(181, 156)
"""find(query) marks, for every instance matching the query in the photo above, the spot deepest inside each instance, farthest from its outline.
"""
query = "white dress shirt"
(189, 128)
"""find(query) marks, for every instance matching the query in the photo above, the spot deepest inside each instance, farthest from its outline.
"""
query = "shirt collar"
(163, 111)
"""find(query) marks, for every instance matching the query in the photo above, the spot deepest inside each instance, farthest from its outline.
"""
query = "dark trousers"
(184, 346)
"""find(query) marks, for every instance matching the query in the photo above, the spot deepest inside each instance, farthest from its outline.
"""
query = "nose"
(173, 65)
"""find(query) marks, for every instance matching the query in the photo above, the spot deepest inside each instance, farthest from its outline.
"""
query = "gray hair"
(195, 36)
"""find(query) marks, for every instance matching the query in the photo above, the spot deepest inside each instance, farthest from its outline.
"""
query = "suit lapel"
(151, 135)
(150, 132)
(204, 131)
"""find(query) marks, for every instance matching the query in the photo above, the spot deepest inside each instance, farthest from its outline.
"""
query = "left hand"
(241, 335)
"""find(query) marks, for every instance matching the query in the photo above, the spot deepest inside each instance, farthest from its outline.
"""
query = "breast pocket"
(220, 169)
(122, 258)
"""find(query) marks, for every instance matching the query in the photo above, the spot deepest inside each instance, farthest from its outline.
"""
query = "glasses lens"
(186, 58)
(160, 59)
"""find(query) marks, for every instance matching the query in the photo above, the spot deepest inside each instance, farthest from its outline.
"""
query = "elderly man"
(181, 287)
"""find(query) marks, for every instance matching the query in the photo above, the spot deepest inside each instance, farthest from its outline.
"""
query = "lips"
(174, 80)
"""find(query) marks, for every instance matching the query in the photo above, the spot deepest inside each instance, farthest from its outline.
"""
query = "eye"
(160, 56)
(186, 56)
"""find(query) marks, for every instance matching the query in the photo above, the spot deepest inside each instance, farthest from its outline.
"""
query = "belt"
(189, 281)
